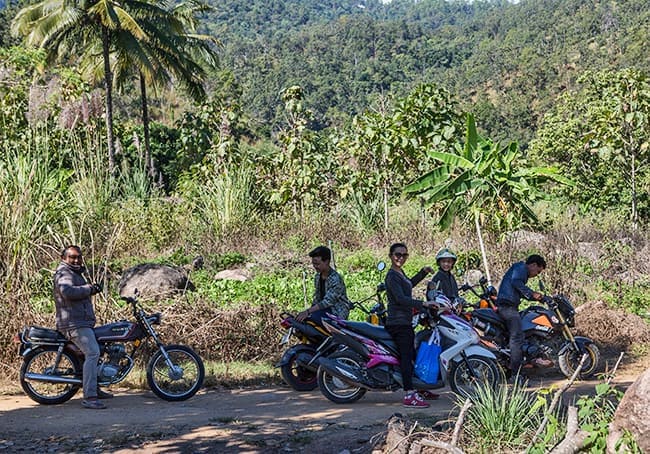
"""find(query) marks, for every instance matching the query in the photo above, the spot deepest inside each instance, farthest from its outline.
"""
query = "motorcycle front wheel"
(569, 360)
(179, 380)
(42, 362)
(478, 371)
(336, 389)
(294, 374)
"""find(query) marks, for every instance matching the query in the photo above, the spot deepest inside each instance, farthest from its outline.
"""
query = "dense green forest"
(354, 101)
(505, 62)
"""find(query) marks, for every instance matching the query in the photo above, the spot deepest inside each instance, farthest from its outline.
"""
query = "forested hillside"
(171, 127)
(505, 62)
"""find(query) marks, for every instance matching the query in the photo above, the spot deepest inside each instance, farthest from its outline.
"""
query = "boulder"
(633, 414)
(233, 275)
(524, 239)
(153, 280)
(589, 250)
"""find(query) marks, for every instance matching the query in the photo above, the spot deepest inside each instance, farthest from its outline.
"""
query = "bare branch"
(575, 437)
(459, 423)
(556, 400)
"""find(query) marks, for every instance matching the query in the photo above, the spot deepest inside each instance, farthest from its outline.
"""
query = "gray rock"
(522, 239)
(633, 414)
(233, 275)
(589, 251)
(153, 280)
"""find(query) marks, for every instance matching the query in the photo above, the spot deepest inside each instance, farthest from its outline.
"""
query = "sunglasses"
(399, 255)
(74, 257)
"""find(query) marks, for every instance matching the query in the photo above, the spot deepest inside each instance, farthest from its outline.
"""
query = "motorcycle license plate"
(287, 336)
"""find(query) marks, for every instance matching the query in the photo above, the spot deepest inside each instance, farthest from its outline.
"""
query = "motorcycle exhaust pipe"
(53, 379)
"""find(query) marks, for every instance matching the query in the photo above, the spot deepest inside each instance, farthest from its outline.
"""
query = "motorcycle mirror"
(381, 266)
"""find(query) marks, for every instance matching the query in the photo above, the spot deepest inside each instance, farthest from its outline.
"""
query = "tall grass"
(502, 419)
(32, 206)
(223, 201)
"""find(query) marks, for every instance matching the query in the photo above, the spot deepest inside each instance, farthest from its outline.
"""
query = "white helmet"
(445, 253)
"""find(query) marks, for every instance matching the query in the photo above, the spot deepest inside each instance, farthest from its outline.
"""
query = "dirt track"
(254, 420)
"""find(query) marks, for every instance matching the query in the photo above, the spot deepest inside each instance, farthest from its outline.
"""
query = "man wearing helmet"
(444, 280)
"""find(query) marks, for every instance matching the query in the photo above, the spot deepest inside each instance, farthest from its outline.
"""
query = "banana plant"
(480, 179)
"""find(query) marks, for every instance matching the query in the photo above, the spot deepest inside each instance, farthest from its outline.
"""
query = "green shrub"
(502, 419)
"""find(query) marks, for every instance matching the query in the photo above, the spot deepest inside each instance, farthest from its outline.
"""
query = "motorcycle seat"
(369, 330)
(38, 333)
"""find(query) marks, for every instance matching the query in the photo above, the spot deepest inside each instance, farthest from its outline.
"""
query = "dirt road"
(252, 420)
(247, 420)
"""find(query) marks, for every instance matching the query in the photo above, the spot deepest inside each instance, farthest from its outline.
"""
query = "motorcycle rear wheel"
(179, 382)
(570, 359)
(298, 377)
(41, 361)
(463, 383)
(336, 389)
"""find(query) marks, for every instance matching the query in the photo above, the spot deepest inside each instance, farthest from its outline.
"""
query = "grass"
(502, 419)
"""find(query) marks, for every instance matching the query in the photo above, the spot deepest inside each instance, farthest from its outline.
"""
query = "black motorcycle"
(547, 336)
(297, 365)
(51, 372)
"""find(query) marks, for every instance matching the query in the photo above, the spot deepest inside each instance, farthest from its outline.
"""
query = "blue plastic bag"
(427, 365)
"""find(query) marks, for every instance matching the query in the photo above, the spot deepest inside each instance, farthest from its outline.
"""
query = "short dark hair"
(395, 246)
(323, 252)
(537, 260)
(65, 250)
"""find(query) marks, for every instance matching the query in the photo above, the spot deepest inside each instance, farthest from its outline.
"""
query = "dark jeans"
(404, 338)
(317, 317)
(513, 322)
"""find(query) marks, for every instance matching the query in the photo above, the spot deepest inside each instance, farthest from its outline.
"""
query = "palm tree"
(482, 179)
(174, 52)
(67, 29)
(128, 33)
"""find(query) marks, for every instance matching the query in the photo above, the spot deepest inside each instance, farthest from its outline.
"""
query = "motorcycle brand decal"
(543, 321)
(382, 359)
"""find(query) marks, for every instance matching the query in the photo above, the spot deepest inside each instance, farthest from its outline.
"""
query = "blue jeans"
(84, 338)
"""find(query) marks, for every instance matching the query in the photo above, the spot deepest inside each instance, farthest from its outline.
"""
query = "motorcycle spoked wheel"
(41, 361)
(334, 388)
(297, 376)
(179, 382)
(570, 359)
(462, 381)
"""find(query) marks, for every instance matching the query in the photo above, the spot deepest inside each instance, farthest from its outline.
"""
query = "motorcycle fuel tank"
(116, 331)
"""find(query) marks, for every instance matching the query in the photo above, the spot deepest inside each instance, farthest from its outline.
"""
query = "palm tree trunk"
(108, 81)
(148, 159)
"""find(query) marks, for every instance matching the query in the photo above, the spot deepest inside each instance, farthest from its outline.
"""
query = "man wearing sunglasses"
(75, 318)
